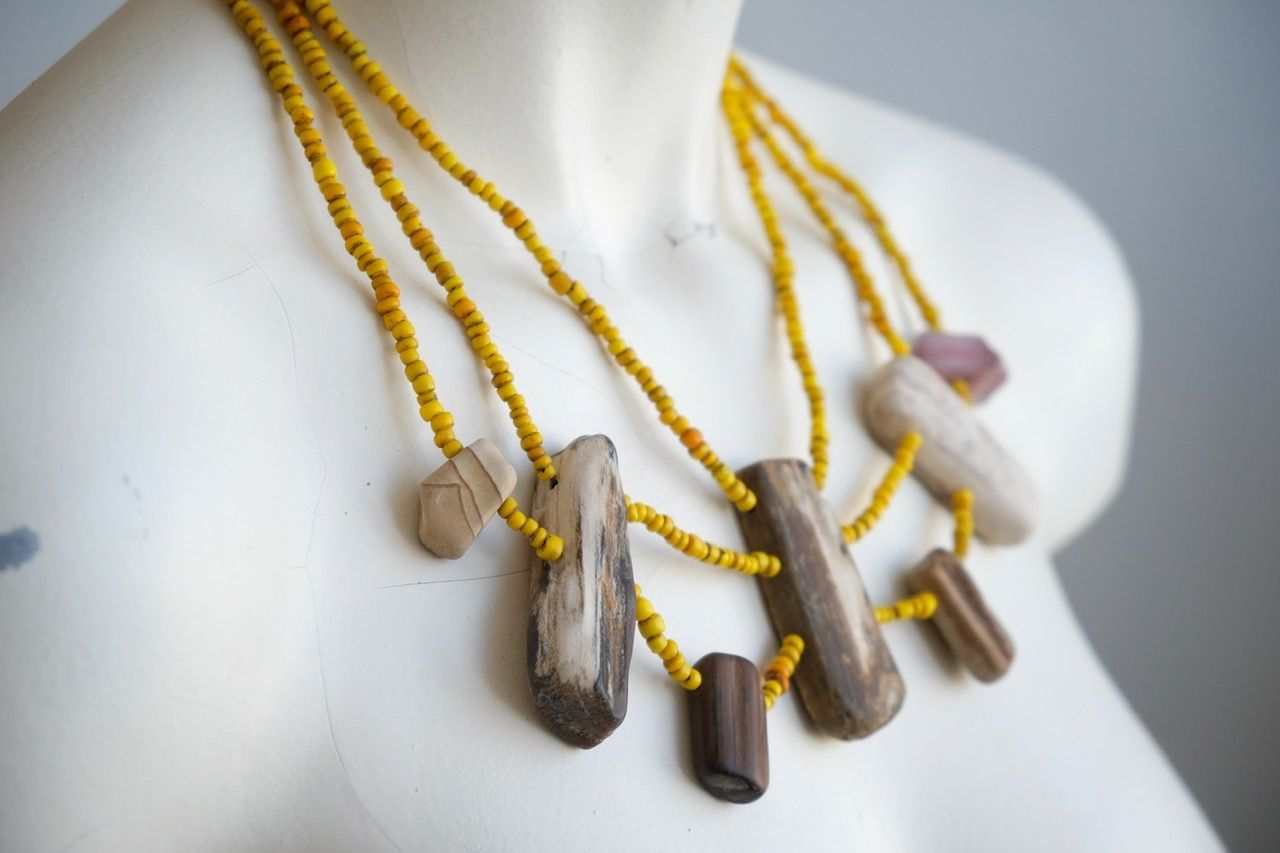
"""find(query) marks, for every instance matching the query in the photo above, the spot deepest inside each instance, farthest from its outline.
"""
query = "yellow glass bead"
(324, 169)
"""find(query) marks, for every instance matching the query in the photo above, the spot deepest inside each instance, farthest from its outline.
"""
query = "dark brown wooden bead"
(726, 719)
(582, 607)
(970, 630)
(848, 681)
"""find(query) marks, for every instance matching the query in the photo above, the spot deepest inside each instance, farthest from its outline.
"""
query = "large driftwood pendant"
(966, 624)
(849, 683)
(583, 608)
(907, 395)
(726, 720)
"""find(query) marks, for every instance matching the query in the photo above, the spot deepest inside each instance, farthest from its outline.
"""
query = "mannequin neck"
(597, 117)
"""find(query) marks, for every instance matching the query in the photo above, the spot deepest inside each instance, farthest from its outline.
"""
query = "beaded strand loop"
(962, 508)
(777, 678)
(925, 604)
(325, 173)
(920, 606)
(783, 273)
(903, 461)
(651, 628)
(823, 166)
(870, 213)
(547, 545)
(864, 285)
(519, 223)
(754, 563)
(420, 237)
(386, 293)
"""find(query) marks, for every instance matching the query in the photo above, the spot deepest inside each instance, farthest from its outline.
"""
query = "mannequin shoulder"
(141, 164)
(1008, 252)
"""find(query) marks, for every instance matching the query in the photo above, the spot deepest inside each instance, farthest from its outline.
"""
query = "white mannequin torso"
(230, 638)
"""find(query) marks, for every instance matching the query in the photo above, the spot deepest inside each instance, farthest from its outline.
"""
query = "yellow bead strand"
(777, 678)
(325, 173)
(783, 274)
(864, 285)
(754, 563)
(903, 460)
(868, 208)
(651, 628)
(548, 546)
(386, 292)
(461, 305)
(921, 606)
(592, 312)
(962, 509)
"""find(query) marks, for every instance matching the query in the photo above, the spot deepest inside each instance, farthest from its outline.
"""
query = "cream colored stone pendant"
(966, 624)
(459, 498)
(907, 395)
(849, 684)
(582, 607)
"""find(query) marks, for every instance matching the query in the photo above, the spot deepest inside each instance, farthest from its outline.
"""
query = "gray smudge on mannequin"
(18, 546)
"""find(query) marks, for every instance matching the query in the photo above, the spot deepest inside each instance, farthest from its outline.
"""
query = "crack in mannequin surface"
(230, 637)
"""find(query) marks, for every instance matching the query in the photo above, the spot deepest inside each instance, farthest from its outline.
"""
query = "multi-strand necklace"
(583, 598)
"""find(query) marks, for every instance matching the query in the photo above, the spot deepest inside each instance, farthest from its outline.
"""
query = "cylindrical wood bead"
(849, 683)
(727, 722)
(967, 625)
(582, 607)
(907, 395)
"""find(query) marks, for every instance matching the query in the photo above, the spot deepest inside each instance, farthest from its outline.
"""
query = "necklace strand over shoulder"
(811, 586)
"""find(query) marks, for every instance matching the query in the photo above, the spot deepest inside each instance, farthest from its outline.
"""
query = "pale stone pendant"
(907, 395)
(963, 619)
(459, 498)
(727, 723)
(582, 607)
(849, 683)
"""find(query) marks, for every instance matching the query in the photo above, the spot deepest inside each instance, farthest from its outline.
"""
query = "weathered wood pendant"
(582, 607)
(963, 619)
(457, 499)
(727, 722)
(907, 395)
(849, 683)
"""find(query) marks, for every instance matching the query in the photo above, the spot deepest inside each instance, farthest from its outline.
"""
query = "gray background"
(1164, 115)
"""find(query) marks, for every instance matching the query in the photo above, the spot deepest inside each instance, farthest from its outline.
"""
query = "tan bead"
(460, 497)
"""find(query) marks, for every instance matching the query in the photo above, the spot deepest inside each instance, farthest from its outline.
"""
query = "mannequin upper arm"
(1073, 353)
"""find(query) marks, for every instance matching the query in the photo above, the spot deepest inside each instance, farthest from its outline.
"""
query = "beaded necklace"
(578, 491)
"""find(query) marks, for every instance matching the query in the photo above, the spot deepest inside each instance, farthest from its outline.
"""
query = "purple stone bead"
(964, 357)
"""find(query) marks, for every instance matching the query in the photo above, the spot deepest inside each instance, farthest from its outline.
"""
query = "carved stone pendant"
(965, 357)
(726, 719)
(582, 607)
(963, 619)
(958, 452)
(459, 498)
(849, 683)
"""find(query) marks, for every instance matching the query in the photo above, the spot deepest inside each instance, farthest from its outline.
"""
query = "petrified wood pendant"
(907, 395)
(963, 618)
(582, 608)
(726, 720)
(849, 683)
